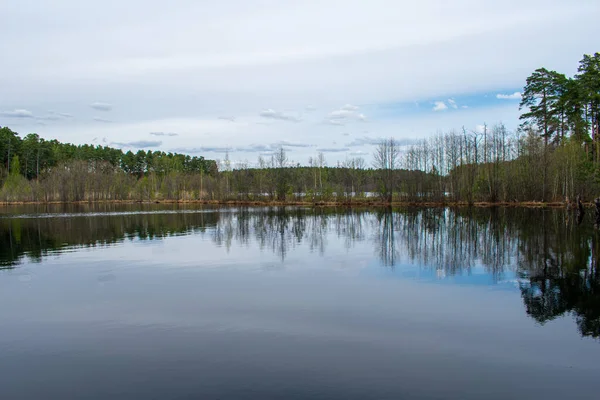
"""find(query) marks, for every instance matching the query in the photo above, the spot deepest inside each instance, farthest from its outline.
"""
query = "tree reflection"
(557, 264)
(385, 238)
(565, 280)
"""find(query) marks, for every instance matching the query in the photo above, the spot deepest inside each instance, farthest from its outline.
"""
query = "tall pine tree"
(541, 96)
(589, 85)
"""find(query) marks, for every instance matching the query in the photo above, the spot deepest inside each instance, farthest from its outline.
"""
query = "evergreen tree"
(589, 85)
(541, 95)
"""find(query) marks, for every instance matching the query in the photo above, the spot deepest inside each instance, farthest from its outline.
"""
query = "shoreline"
(274, 203)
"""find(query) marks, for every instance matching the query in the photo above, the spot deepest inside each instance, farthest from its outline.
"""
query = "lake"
(191, 302)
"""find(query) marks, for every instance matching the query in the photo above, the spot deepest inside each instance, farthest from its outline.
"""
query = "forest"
(553, 156)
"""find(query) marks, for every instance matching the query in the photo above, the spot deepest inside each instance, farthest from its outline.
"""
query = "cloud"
(376, 141)
(18, 113)
(203, 149)
(285, 143)
(310, 108)
(255, 148)
(140, 143)
(345, 134)
(263, 149)
(54, 116)
(452, 103)
(333, 149)
(514, 96)
(49, 118)
(364, 141)
(464, 106)
(164, 134)
(100, 119)
(345, 114)
(101, 106)
(230, 119)
(480, 128)
(439, 106)
(272, 114)
(358, 153)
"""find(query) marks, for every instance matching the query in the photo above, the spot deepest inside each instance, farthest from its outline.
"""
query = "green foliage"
(16, 188)
(15, 166)
(38, 155)
(542, 96)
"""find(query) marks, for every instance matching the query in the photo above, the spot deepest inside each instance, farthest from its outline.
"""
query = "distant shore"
(275, 203)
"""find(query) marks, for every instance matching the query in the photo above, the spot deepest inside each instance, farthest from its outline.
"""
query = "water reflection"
(555, 261)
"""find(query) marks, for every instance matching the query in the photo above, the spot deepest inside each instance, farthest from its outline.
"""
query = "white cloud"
(230, 119)
(18, 113)
(49, 117)
(364, 141)
(251, 148)
(272, 114)
(203, 149)
(439, 106)
(55, 116)
(164, 134)
(375, 141)
(285, 143)
(344, 115)
(333, 149)
(101, 106)
(514, 96)
(139, 144)
(452, 103)
(100, 119)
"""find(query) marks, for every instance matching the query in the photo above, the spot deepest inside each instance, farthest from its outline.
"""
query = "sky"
(245, 77)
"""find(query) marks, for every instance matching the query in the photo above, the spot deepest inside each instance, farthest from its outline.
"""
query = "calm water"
(170, 302)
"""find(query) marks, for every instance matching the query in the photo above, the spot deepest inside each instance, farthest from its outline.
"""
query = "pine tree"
(541, 95)
(589, 84)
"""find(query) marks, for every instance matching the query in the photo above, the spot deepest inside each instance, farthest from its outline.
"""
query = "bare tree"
(386, 159)
(321, 162)
(280, 159)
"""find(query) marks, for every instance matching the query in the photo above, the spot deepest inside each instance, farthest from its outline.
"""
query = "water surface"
(174, 302)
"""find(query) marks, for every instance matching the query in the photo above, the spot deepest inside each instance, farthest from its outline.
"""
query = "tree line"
(554, 155)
